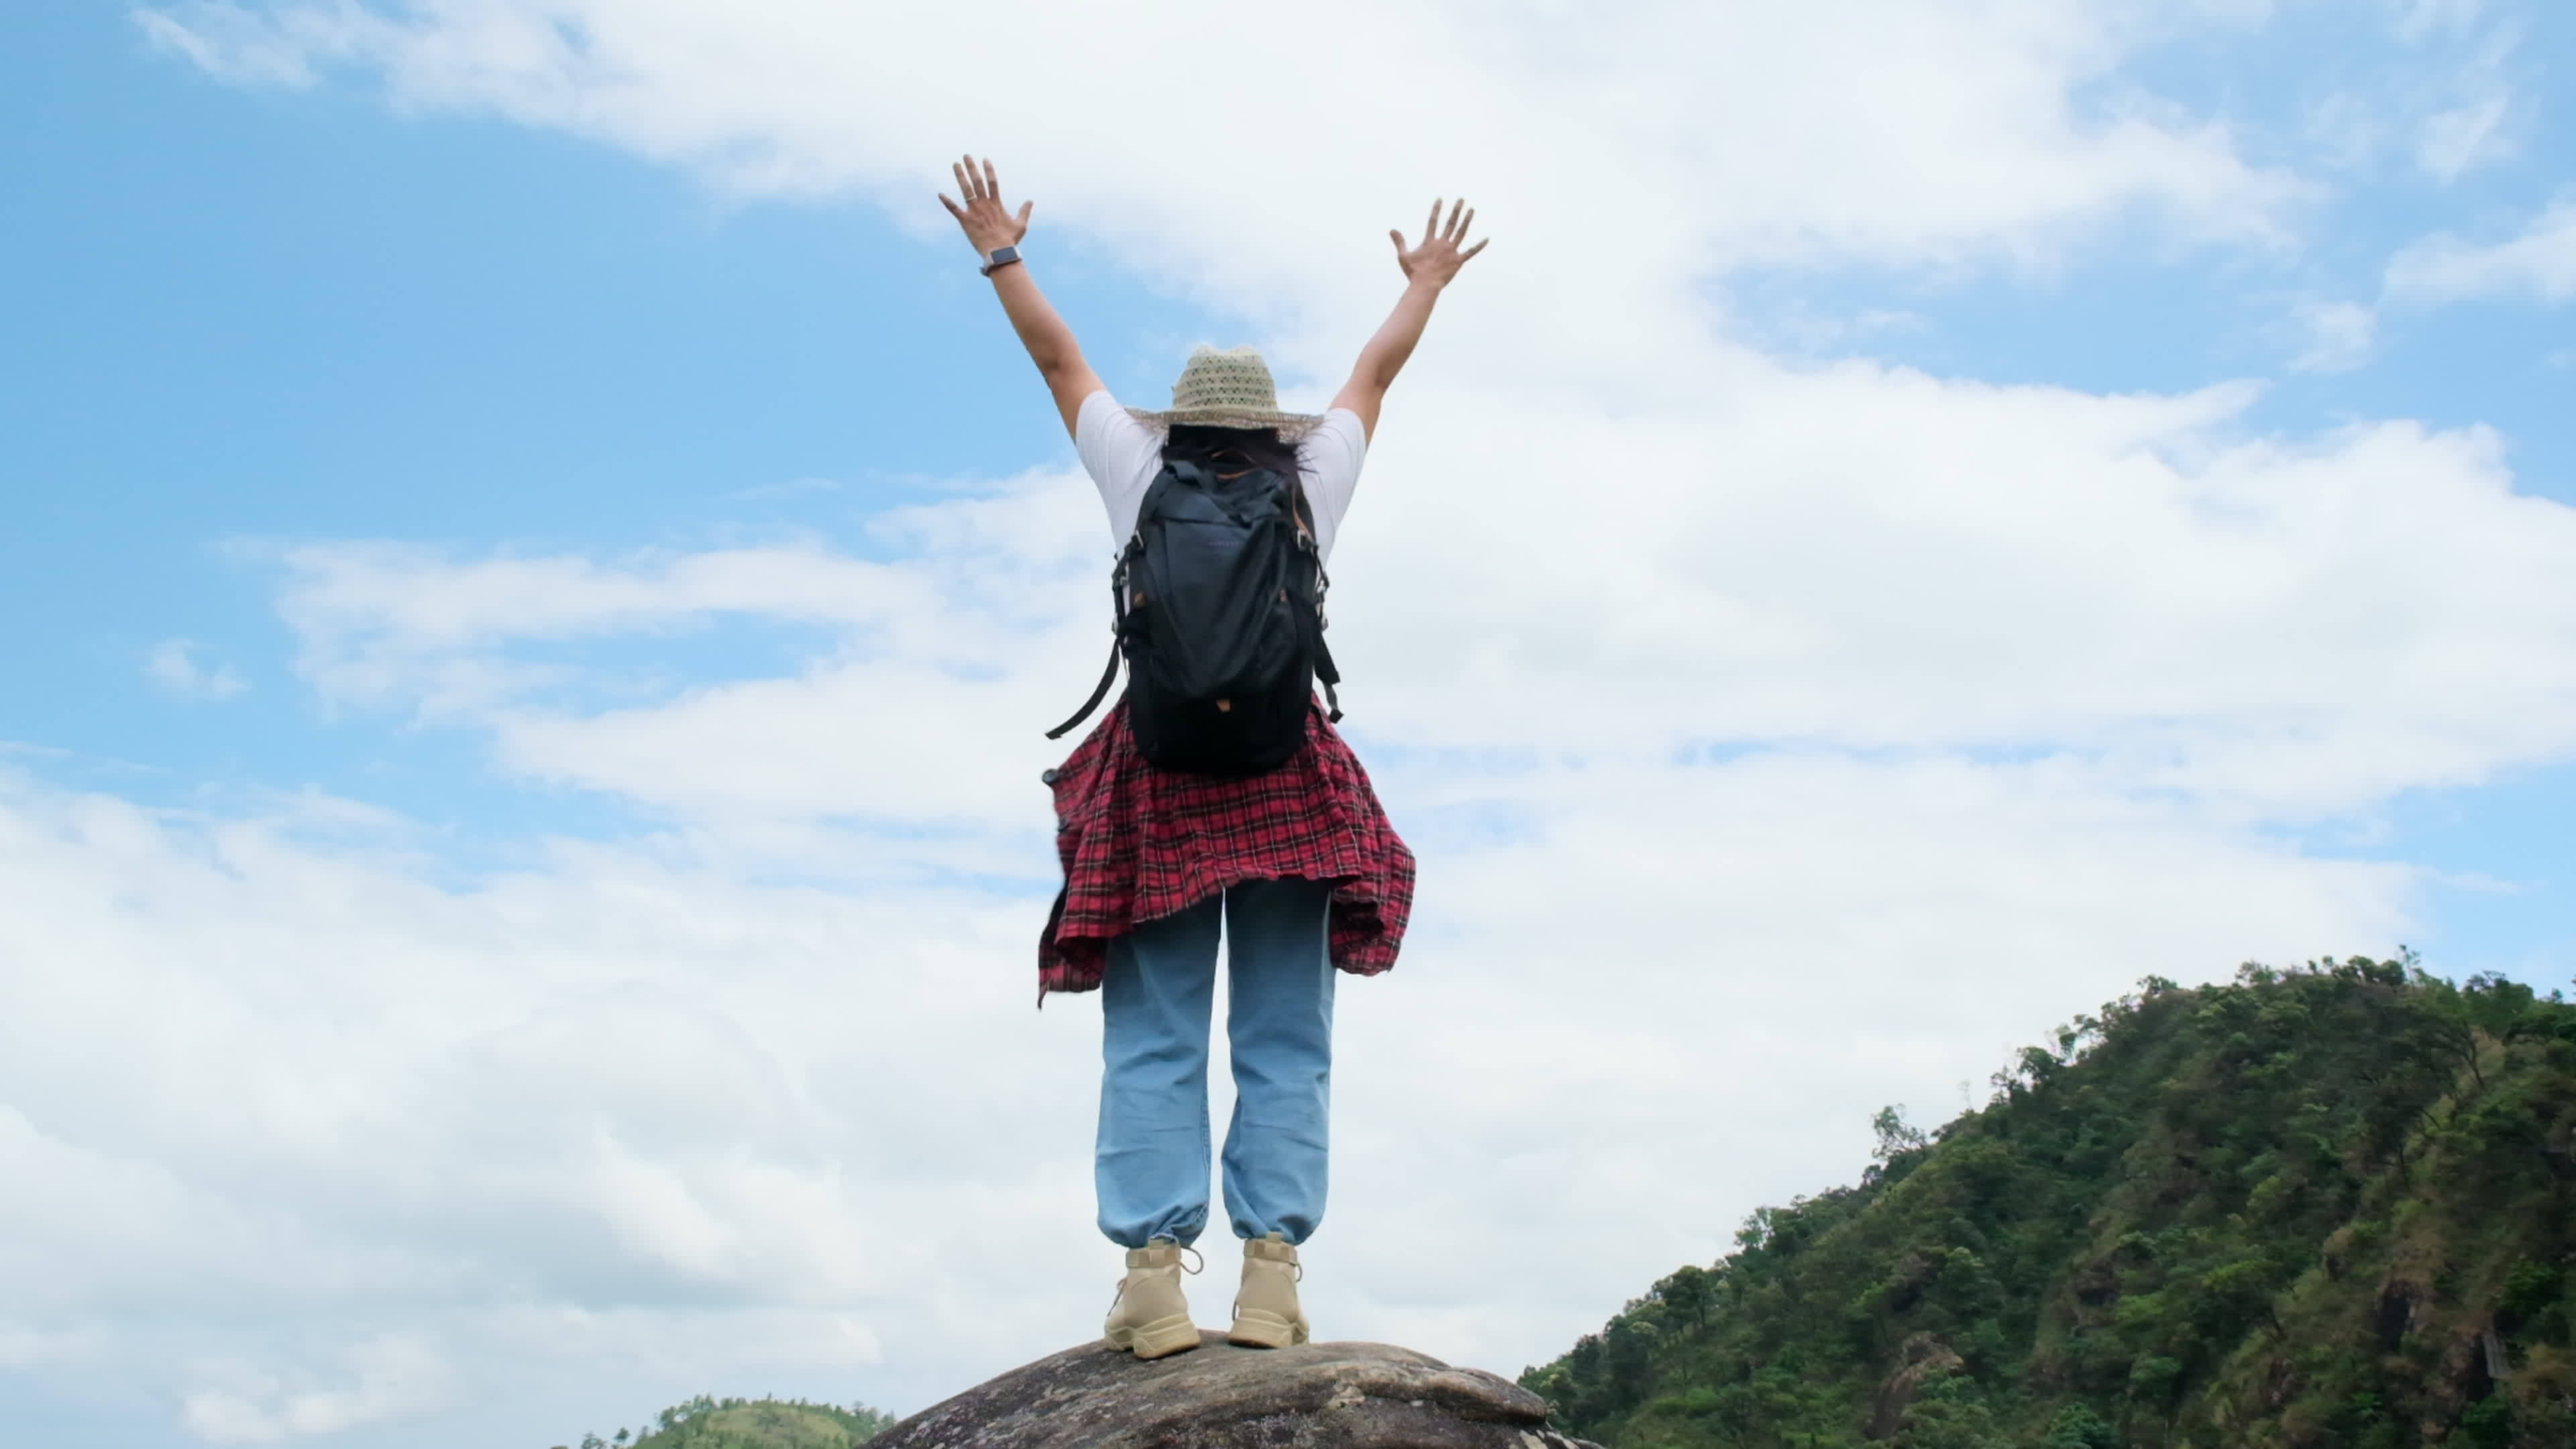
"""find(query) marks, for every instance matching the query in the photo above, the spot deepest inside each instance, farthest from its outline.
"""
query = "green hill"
(711, 1423)
(2331, 1206)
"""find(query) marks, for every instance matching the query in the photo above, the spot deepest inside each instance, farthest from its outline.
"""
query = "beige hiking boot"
(1150, 1318)
(1265, 1307)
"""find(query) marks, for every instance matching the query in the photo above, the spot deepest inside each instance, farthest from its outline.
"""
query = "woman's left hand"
(988, 224)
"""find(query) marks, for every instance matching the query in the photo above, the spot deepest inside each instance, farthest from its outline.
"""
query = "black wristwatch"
(999, 260)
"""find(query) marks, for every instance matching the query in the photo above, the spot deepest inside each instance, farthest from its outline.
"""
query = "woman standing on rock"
(1279, 839)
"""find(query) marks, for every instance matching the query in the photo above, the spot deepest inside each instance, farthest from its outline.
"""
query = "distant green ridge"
(711, 1423)
(2329, 1206)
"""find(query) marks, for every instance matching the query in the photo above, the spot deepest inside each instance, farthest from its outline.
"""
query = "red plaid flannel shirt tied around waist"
(1139, 843)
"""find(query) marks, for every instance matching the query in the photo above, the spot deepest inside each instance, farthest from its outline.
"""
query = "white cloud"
(22, 1348)
(1842, 131)
(635, 1074)
(2539, 262)
(234, 45)
(2340, 336)
(2461, 138)
(173, 665)
(2445, 104)
(392, 1376)
(1974, 567)
(2420, 20)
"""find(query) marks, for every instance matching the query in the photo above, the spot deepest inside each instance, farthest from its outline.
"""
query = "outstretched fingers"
(1443, 238)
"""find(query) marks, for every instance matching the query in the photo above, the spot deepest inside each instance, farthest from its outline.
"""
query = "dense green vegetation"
(2329, 1206)
(709, 1423)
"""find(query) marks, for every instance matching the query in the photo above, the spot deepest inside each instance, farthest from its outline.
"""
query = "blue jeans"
(1151, 1165)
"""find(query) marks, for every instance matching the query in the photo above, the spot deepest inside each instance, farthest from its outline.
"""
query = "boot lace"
(1181, 1262)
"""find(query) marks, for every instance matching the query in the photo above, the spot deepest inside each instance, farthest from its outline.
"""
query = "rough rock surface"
(1313, 1396)
(1921, 1357)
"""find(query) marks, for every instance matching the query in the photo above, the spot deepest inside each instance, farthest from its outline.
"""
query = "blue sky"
(316, 335)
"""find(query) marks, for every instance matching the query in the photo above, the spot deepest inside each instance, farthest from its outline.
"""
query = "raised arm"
(990, 226)
(1427, 268)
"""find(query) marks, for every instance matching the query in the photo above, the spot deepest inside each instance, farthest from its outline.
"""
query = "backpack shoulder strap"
(1117, 640)
(1099, 692)
(1302, 509)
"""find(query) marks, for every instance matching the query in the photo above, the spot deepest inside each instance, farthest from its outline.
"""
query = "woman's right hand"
(1438, 258)
(989, 226)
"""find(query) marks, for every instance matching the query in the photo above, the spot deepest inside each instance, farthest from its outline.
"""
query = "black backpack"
(1219, 601)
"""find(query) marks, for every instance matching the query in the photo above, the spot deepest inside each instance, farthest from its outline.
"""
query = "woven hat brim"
(1290, 425)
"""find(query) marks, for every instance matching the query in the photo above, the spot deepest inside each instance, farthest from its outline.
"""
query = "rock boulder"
(1313, 1396)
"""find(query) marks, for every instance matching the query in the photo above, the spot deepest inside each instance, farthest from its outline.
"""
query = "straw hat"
(1229, 389)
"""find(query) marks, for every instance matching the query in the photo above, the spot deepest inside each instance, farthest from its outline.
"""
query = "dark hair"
(1230, 450)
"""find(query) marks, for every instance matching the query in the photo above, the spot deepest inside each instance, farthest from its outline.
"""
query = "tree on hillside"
(706, 1422)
